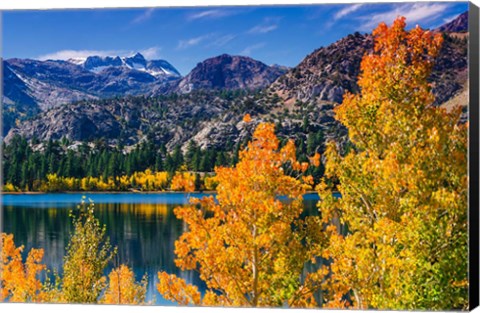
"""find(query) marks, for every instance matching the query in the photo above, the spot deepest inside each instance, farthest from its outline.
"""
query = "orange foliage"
(247, 118)
(183, 181)
(20, 281)
(404, 185)
(122, 288)
(244, 246)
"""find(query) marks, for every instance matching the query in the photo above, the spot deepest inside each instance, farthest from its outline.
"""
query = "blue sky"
(185, 36)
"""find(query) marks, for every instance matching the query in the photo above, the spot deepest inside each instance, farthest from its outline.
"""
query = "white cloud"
(145, 16)
(269, 24)
(248, 50)
(151, 53)
(187, 43)
(450, 18)
(347, 10)
(79, 54)
(263, 29)
(223, 40)
(210, 14)
(415, 13)
(212, 39)
(148, 53)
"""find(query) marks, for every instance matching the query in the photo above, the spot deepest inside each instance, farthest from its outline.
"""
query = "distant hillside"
(208, 104)
(227, 72)
(457, 25)
(328, 72)
(54, 82)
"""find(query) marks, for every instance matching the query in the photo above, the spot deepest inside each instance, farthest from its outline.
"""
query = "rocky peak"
(162, 67)
(458, 25)
(326, 73)
(93, 62)
(136, 61)
(229, 72)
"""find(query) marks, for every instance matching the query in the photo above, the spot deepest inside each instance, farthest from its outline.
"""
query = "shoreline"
(113, 192)
(99, 192)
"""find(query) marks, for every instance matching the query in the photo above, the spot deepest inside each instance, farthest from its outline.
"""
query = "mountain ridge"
(158, 67)
(228, 72)
(458, 24)
(298, 101)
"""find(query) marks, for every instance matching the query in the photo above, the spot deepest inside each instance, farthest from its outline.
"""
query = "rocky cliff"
(227, 72)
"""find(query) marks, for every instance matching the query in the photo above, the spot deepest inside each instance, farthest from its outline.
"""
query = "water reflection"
(142, 226)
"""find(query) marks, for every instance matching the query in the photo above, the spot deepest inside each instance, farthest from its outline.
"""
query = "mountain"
(328, 72)
(156, 68)
(171, 119)
(96, 63)
(161, 67)
(457, 25)
(207, 105)
(17, 89)
(55, 82)
(212, 119)
(32, 85)
(227, 72)
(50, 83)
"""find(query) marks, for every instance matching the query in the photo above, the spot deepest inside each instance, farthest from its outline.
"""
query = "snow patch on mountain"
(156, 68)
(77, 61)
(98, 69)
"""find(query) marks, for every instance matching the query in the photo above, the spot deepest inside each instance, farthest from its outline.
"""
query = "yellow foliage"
(315, 160)
(9, 187)
(244, 246)
(210, 183)
(122, 288)
(176, 289)
(147, 181)
(88, 253)
(403, 187)
(183, 182)
(19, 282)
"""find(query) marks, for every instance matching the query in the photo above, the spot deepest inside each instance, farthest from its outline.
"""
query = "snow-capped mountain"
(31, 86)
(156, 68)
(42, 91)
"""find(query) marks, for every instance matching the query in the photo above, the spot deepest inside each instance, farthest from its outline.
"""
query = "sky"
(281, 35)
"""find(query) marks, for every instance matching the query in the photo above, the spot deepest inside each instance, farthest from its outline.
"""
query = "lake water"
(142, 226)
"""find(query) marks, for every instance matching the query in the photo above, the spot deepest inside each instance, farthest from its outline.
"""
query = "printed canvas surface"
(254, 156)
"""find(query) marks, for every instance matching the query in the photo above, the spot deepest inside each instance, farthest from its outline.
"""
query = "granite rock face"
(457, 25)
(127, 104)
(226, 72)
(328, 72)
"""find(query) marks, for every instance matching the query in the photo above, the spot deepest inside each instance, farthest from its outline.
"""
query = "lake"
(142, 226)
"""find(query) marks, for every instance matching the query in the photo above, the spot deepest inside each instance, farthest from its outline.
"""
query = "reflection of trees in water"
(46, 228)
(145, 234)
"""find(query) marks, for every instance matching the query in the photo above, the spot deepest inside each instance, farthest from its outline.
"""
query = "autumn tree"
(88, 254)
(123, 289)
(183, 181)
(248, 246)
(403, 187)
(20, 281)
